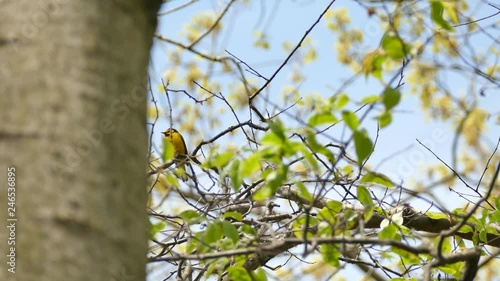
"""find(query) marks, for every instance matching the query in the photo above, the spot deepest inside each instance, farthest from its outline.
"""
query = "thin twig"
(252, 97)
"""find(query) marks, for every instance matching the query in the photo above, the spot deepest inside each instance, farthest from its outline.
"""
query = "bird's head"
(169, 132)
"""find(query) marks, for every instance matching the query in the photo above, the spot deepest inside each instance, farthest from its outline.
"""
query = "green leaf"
(497, 202)
(326, 214)
(233, 215)
(238, 273)
(340, 101)
(323, 118)
(347, 171)
(272, 139)
(483, 235)
(277, 128)
(452, 13)
(263, 193)
(352, 218)
(213, 233)
(250, 165)
(368, 212)
(250, 231)
(330, 211)
(235, 175)
(363, 144)
(217, 266)
(446, 246)
(372, 64)
(448, 269)
(230, 231)
(437, 15)
(406, 257)
(304, 193)
(272, 147)
(494, 216)
(370, 99)
(364, 196)
(465, 229)
(196, 244)
(259, 275)
(454, 269)
(436, 216)
(226, 243)
(379, 210)
(492, 230)
(274, 180)
(390, 232)
(335, 206)
(378, 178)
(190, 216)
(172, 180)
(168, 151)
(275, 144)
(310, 159)
(315, 147)
(377, 66)
(484, 216)
(406, 231)
(394, 47)
(154, 228)
(390, 98)
(324, 229)
(301, 223)
(221, 160)
(385, 119)
(350, 119)
(459, 242)
(460, 213)
(291, 148)
(475, 238)
(330, 254)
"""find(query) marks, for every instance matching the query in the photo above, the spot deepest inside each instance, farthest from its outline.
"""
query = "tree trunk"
(73, 117)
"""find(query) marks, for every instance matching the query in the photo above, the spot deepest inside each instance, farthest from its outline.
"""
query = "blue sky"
(288, 22)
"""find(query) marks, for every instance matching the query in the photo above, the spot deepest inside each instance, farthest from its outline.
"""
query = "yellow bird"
(180, 149)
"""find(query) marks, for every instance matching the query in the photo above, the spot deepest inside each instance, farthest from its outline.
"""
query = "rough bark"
(73, 111)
